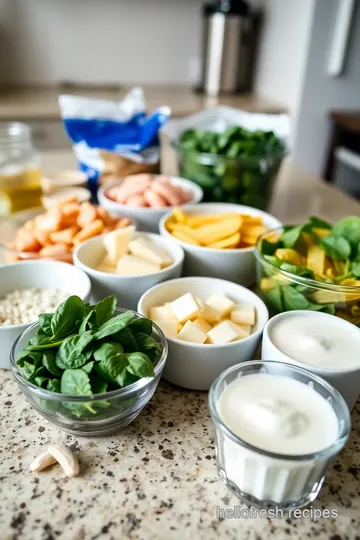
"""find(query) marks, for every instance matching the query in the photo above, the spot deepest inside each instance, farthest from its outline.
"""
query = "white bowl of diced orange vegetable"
(146, 197)
(54, 233)
(218, 238)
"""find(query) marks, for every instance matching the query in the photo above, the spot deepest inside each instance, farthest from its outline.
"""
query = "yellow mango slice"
(179, 215)
(185, 238)
(180, 227)
(198, 220)
(288, 255)
(227, 243)
(316, 259)
(251, 220)
(217, 231)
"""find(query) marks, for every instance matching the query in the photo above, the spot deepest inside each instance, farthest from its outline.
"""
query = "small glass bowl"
(266, 479)
(307, 294)
(121, 408)
(248, 181)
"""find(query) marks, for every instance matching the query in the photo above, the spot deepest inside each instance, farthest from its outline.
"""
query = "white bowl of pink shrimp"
(140, 193)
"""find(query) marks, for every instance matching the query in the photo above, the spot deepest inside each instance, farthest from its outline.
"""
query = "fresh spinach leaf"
(291, 236)
(67, 318)
(115, 324)
(28, 369)
(75, 382)
(48, 361)
(274, 297)
(355, 269)
(98, 385)
(110, 368)
(32, 357)
(127, 339)
(148, 345)
(105, 309)
(336, 247)
(89, 322)
(141, 325)
(71, 353)
(45, 323)
(42, 341)
(293, 299)
(53, 385)
(110, 349)
(318, 223)
(40, 381)
(140, 365)
(348, 228)
(269, 248)
(297, 270)
(88, 367)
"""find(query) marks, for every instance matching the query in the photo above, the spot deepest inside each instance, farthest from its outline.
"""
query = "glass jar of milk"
(277, 428)
(20, 173)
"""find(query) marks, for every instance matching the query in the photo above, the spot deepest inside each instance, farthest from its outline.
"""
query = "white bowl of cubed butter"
(218, 238)
(126, 263)
(210, 324)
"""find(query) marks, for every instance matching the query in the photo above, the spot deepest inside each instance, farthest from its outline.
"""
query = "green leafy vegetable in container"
(237, 166)
(313, 266)
(83, 350)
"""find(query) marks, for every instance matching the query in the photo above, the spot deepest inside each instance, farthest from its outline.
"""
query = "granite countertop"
(41, 103)
(155, 479)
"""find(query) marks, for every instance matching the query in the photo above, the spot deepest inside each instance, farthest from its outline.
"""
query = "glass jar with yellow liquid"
(20, 173)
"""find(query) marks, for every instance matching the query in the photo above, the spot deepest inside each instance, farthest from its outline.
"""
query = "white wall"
(283, 50)
(100, 41)
(321, 93)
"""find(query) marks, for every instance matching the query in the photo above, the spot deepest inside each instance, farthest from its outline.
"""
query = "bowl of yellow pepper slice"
(313, 266)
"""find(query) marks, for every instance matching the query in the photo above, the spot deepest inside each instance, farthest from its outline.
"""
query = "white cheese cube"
(203, 325)
(225, 332)
(221, 303)
(191, 332)
(107, 261)
(243, 314)
(149, 251)
(185, 307)
(242, 331)
(209, 314)
(117, 242)
(133, 266)
(162, 313)
(200, 302)
(170, 328)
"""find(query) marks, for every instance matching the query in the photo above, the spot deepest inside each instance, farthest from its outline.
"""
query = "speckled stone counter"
(154, 480)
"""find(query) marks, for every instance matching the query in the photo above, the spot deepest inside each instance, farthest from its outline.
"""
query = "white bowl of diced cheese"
(28, 288)
(127, 263)
(210, 324)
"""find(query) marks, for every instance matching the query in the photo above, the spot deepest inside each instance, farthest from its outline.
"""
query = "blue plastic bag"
(123, 128)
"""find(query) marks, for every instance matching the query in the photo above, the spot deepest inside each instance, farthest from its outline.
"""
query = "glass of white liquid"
(278, 427)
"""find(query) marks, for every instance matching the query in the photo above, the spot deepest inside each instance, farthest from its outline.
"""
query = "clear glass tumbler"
(265, 479)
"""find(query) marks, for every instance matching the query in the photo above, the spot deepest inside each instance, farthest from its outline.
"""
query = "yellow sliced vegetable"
(288, 255)
(316, 259)
(179, 215)
(321, 233)
(227, 243)
(217, 231)
(185, 238)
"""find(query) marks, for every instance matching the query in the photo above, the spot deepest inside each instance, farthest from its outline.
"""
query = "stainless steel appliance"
(227, 47)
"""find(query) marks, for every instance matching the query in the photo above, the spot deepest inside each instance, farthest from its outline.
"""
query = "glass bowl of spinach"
(313, 266)
(235, 166)
(90, 370)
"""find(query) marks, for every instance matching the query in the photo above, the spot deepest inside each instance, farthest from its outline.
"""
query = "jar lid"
(227, 7)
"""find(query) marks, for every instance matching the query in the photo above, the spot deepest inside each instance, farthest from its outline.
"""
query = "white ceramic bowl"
(236, 265)
(127, 289)
(42, 275)
(347, 382)
(147, 218)
(194, 365)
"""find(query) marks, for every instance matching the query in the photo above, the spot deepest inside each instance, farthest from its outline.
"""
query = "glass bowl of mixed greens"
(90, 370)
(314, 266)
(235, 166)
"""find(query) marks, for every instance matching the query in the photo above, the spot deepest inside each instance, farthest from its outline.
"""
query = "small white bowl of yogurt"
(324, 344)
(278, 427)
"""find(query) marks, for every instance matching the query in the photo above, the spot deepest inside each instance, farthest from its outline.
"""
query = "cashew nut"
(66, 459)
(42, 462)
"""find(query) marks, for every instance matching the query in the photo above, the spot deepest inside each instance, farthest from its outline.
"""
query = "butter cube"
(225, 332)
(117, 242)
(149, 251)
(242, 331)
(185, 307)
(221, 303)
(203, 325)
(170, 328)
(192, 333)
(209, 314)
(162, 313)
(243, 314)
(133, 266)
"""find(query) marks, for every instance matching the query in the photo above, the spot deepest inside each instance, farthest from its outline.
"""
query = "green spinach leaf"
(48, 361)
(336, 247)
(274, 297)
(45, 323)
(89, 322)
(142, 325)
(148, 345)
(318, 223)
(71, 353)
(115, 324)
(127, 339)
(75, 382)
(53, 385)
(88, 367)
(140, 365)
(110, 368)
(348, 228)
(269, 248)
(105, 309)
(67, 318)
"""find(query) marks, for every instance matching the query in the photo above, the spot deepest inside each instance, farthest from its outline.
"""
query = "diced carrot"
(87, 214)
(107, 218)
(65, 236)
(42, 237)
(70, 208)
(92, 229)
(49, 221)
(29, 225)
